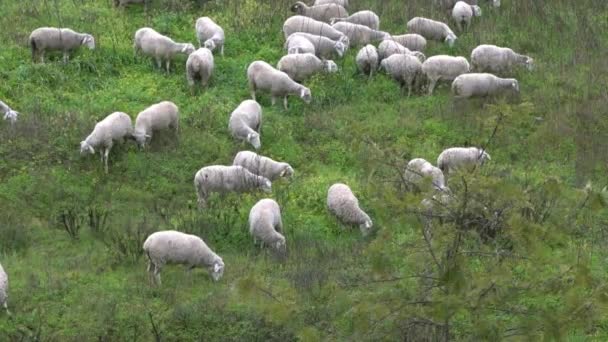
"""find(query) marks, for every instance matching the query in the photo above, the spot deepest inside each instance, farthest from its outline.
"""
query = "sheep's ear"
(216, 268)
(91, 149)
(282, 174)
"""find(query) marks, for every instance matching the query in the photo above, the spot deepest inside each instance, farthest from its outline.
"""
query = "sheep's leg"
(106, 154)
(5, 305)
(157, 276)
(285, 102)
(168, 65)
(159, 62)
(253, 95)
(222, 50)
(66, 57)
(42, 56)
(409, 89)
(432, 86)
(273, 100)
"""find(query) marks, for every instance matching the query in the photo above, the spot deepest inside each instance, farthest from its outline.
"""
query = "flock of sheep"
(317, 32)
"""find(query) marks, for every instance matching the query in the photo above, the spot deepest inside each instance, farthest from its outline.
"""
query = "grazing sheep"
(403, 68)
(245, 122)
(173, 247)
(449, 4)
(266, 225)
(344, 205)
(432, 30)
(209, 34)
(4, 290)
(302, 66)
(480, 85)
(162, 115)
(62, 39)
(322, 13)
(418, 169)
(200, 65)
(159, 47)
(223, 179)
(299, 23)
(9, 114)
(359, 34)
(296, 43)
(323, 46)
(457, 157)
(262, 76)
(462, 14)
(343, 3)
(498, 60)
(262, 166)
(367, 60)
(366, 18)
(390, 47)
(412, 41)
(113, 128)
(444, 68)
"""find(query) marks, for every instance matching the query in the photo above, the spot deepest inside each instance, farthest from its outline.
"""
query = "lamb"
(432, 30)
(462, 14)
(367, 60)
(457, 157)
(265, 224)
(200, 64)
(209, 34)
(412, 41)
(113, 128)
(155, 45)
(480, 85)
(245, 122)
(296, 43)
(9, 114)
(62, 39)
(322, 13)
(418, 169)
(498, 60)
(263, 166)
(323, 46)
(299, 23)
(443, 67)
(366, 18)
(173, 247)
(343, 3)
(224, 179)
(262, 76)
(302, 66)
(359, 34)
(162, 115)
(344, 205)
(4, 290)
(403, 68)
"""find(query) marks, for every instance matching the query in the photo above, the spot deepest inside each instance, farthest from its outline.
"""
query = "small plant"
(98, 219)
(126, 242)
(71, 221)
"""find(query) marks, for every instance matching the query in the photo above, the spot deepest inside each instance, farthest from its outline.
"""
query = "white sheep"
(245, 122)
(322, 13)
(200, 65)
(343, 3)
(366, 18)
(113, 128)
(367, 60)
(498, 60)
(302, 66)
(155, 45)
(4, 290)
(403, 68)
(342, 203)
(412, 41)
(9, 114)
(299, 23)
(159, 116)
(209, 34)
(481, 85)
(418, 169)
(456, 157)
(359, 34)
(224, 179)
(263, 166)
(173, 247)
(443, 68)
(389, 47)
(62, 39)
(263, 76)
(432, 30)
(266, 225)
(462, 13)
(323, 46)
(296, 43)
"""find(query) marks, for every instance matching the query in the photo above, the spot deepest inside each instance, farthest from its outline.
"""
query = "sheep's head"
(254, 139)
(496, 3)
(529, 63)
(331, 66)
(340, 48)
(305, 95)
(483, 157)
(476, 10)
(515, 85)
(451, 39)
(85, 148)
(89, 41)
(421, 57)
(344, 39)
(280, 245)
(11, 116)
(366, 226)
(266, 185)
(142, 139)
(217, 270)
(209, 44)
(287, 171)
(187, 49)
(298, 7)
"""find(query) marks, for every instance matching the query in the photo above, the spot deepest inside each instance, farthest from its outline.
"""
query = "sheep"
(343, 3)
(262, 76)
(359, 34)
(266, 225)
(245, 122)
(153, 44)
(209, 34)
(162, 115)
(200, 64)
(113, 128)
(390, 47)
(366, 18)
(344, 205)
(323, 46)
(296, 43)
(4, 290)
(462, 14)
(403, 68)
(432, 30)
(443, 67)
(301, 66)
(418, 169)
(173, 247)
(63, 39)
(412, 41)
(498, 60)
(299, 23)
(322, 13)
(480, 85)
(224, 179)
(456, 157)
(263, 166)
(9, 114)
(449, 4)
(367, 60)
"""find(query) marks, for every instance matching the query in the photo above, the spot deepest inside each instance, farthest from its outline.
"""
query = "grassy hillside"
(542, 276)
